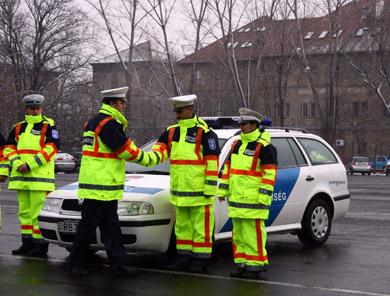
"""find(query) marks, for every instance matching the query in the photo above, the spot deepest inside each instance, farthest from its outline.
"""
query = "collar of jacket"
(189, 122)
(250, 137)
(33, 119)
(107, 109)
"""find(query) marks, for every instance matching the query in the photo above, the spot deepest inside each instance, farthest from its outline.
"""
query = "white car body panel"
(152, 232)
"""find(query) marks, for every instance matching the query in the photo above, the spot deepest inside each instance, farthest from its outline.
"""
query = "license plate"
(67, 227)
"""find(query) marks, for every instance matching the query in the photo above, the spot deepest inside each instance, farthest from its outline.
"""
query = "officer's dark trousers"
(104, 214)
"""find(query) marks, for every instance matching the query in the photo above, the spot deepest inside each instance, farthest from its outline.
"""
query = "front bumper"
(141, 233)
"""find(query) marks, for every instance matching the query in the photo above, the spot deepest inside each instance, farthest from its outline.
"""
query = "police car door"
(295, 178)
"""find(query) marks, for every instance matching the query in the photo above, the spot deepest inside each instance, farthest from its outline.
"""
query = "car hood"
(138, 187)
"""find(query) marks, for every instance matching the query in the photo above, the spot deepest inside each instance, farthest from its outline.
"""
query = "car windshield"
(160, 169)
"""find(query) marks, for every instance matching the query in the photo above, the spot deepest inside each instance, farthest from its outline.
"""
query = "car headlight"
(130, 208)
(52, 204)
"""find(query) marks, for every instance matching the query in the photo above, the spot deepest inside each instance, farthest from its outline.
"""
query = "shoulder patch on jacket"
(54, 134)
(212, 144)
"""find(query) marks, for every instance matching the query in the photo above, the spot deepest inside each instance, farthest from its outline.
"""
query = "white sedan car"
(310, 192)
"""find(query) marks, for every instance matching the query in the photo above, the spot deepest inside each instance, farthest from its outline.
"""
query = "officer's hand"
(3, 178)
(23, 168)
(221, 198)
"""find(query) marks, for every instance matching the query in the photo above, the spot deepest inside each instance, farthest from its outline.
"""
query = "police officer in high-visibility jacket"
(101, 183)
(193, 150)
(31, 148)
(248, 180)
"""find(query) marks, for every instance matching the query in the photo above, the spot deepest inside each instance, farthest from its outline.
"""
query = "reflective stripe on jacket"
(105, 152)
(34, 141)
(249, 177)
(194, 158)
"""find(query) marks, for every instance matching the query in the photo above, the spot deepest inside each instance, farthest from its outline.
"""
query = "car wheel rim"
(319, 222)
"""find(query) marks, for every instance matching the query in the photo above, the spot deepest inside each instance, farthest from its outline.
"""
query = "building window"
(312, 110)
(198, 77)
(244, 30)
(363, 32)
(234, 44)
(260, 29)
(305, 110)
(356, 108)
(364, 107)
(338, 33)
(365, 11)
(323, 34)
(308, 35)
(308, 110)
(217, 77)
(286, 110)
(247, 44)
(360, 108)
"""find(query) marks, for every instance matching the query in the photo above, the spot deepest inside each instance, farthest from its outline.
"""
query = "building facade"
(325, 74)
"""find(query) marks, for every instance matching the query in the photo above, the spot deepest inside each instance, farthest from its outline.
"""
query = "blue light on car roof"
(230, 122)
(222, 122)
(266, 122)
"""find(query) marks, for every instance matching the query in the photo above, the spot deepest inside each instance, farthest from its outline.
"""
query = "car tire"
(369, 174)
(363, 174)
(316, 224)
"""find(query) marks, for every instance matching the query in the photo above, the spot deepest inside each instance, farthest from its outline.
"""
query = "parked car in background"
(378, 163)
(64, 162)
(388, 168)
(358, 164)
(310, 192)
(77, 159)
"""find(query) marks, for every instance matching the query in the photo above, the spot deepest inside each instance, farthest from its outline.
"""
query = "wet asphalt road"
(354, 261)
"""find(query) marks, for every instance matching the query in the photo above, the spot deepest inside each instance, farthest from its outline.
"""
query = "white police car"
(310, 192)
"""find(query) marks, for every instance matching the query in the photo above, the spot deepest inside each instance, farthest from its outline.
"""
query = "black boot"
(238, 273)
(182, 262)
(251, 275)
(27, 246)
(199, 265)
(40, 249)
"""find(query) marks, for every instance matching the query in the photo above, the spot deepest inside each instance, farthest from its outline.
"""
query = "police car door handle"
(309, 178)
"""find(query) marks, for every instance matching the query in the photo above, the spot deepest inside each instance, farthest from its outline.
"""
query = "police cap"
(34, 100)
(182, 101)
(116, 93)
(247, 115)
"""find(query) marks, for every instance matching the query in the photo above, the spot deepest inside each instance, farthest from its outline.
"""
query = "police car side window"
(317, 151)
(297, 152)
(286, 157)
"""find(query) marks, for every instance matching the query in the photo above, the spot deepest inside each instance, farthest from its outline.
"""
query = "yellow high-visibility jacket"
(105, 152)
(249, 176)
(34, 141)
(194, 151)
